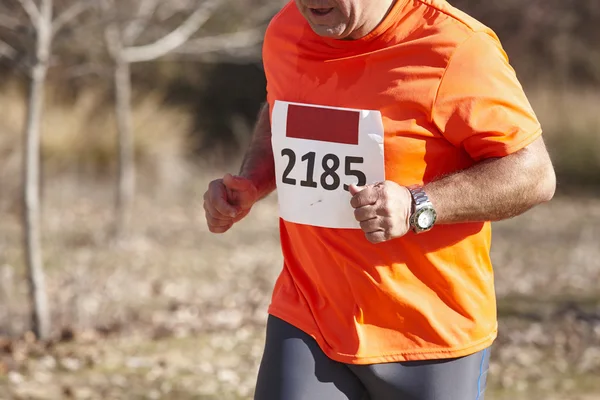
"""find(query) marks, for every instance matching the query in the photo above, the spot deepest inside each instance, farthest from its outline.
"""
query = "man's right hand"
(227, 201)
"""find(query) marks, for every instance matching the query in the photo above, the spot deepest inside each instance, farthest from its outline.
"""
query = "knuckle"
(215, 187)
(208, 205)
(217, 205)
(377, 237)
(210, 213)
(384, 196)
(387, 224)
(222, 207)
(226, 228)
(372, 239)
(216, 182)
(219, 229)
(358, 215)
(220, 222)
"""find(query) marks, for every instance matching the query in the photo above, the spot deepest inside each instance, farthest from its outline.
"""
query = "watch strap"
(420, 201)
(419, 196)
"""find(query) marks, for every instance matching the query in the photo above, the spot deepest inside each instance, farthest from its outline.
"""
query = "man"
(395, 131)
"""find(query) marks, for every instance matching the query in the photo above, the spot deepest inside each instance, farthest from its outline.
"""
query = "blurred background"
(144, 102)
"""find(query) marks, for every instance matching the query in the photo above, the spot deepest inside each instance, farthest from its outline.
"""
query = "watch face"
(426, 218)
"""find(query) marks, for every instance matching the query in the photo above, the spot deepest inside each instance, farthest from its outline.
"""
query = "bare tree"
(121, 39)
(40, 17)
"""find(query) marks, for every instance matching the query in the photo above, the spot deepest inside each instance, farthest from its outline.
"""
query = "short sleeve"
(480, 105)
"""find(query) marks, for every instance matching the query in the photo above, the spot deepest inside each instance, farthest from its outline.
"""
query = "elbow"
(546, 185)
(541, 176)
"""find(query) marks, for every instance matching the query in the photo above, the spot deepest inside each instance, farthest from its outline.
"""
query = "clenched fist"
(383, 210)
(227, 201)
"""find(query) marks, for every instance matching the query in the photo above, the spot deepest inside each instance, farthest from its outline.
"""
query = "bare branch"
(174, 39)
(266, 11)
(44, 29)
(112, 37)
(112, 33)
(33, 12)
(229, 41)
(145, 11)
(7, 51)
(70, 14)
(8, 22)
(167, 10)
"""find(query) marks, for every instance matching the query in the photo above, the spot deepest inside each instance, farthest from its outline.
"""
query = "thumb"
(354, 189)
(236, 183)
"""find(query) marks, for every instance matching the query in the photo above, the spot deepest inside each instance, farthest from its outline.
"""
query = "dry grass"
(571, 123)
(80, 138)
(178, 313)
(175, 312)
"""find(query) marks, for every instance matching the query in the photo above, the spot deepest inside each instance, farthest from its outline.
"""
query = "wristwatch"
(423, 214)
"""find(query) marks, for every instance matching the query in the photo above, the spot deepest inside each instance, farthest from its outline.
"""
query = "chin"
(329, 32)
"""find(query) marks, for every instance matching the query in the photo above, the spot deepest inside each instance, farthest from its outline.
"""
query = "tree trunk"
(31, 185)
(126, 161)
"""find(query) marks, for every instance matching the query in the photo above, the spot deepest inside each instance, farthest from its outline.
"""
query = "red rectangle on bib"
(323, 124)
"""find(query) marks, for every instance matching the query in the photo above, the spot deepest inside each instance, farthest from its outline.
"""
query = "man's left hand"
(383, 210)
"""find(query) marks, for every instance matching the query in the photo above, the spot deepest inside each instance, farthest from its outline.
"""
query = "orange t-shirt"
(428, 93)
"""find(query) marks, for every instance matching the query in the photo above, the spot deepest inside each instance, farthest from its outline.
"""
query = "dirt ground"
(175, 312)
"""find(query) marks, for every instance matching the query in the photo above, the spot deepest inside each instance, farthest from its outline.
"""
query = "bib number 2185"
(318, 152)
(330, 178)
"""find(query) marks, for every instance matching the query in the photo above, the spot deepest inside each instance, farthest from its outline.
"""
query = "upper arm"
(533, 164)
(480, 105)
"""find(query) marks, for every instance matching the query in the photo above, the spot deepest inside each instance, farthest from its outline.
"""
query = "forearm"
(258, 164)
(495, 189)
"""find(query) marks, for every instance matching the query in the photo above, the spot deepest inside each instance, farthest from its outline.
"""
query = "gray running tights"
(293, 367)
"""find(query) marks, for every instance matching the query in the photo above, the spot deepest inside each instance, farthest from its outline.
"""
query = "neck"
(375, 17)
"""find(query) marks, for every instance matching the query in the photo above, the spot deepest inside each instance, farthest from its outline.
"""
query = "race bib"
(318, 152)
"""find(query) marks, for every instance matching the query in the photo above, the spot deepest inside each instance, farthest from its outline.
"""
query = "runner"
(394, 132)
